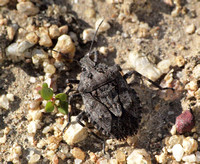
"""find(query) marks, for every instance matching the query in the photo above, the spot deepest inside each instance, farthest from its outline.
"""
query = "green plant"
(59, 100)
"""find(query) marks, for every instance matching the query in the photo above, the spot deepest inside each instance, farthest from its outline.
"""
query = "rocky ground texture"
(158, 38)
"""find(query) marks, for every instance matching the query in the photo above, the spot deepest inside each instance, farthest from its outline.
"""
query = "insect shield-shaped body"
(110, 104)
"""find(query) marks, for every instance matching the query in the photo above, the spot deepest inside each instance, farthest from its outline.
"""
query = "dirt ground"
(151, 27)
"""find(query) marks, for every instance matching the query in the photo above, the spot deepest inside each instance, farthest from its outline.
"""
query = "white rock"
(3, 139)
(34, 158)
(54, 31)
(190, 29)
(23, 46)
(77, 161)
(164, 65)
(65, 46)
(27, 8)
(189, 145)
(33, 126)
(189, 158)
(88, 35)
(197, 156)
(10, 97)
(141, 64)
(32, 79)
(49, 68)
(177, 152)
(4, 103)
(104, 26)
(196, 71)
(35, 115)
(139, 156)
(32, 38)
(75, 133)
(39, 56)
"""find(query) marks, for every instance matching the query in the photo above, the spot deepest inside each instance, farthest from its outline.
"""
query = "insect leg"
(73, 81)
(69, 113)
(152, 82)
(79, 118)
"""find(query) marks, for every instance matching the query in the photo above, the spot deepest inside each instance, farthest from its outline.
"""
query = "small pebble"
(104, 26)
(189, 158)
(27, 8)
(190, 145)
(4, 103)
(185, 122)
(164, 65)
(93, 157)
(196, 71)
(63, 29)
(197, 156)
(33, 126)
(23, 46)
(64, 46)
(10, 96)
(139, 156)
(32, 80)
(180, 61)
(78, 153)
(192, 85)
(88, 35)
(141, 64)
(120, 156)
(103, 50)
(54, 31)
(177, 152)
(32, 38)
(45, 40)
(75, 133)
(34, 158)
(49, 68)
(190, 29)
(11, 33)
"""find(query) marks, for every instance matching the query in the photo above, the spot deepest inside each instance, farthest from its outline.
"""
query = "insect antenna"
(95, 34)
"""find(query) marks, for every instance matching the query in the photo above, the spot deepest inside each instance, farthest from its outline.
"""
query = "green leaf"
(61, 96)
(49, 107)
(46, 93)
(63, 108)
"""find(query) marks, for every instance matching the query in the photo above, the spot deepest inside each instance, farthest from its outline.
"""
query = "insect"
(110, 104)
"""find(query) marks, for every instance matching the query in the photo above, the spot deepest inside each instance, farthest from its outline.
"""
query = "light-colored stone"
(64, 46)
(63, 29)
(45, 40)
(4, 103)
(196, 71)
(27, 8)
(75, 133)
(192, 85)
(88, 35)
(50, 68)
(10, 96)
(32, 38)
(34, 158)
(189, 158)
(33, 126)
(177, 152)
(180, 61)
(11, 32)
(190, 29)
(78, 153)
(34, 115)
(197, 156)
(164, 65)
(39, 56)
(120, 156)
(104, 26)
(139, 156)
(141, 64)
(54, 31)
(189, 145)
